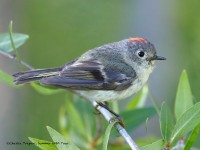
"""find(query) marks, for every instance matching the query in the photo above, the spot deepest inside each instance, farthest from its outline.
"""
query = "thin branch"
(13, 44)
(8, 55)
(108, 116)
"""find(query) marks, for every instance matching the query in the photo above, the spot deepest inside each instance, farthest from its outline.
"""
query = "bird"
(110, 72)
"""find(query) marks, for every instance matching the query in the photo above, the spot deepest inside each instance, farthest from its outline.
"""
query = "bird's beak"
(155, 57)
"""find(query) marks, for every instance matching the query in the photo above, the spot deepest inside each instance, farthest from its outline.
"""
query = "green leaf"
(139, 100)
(76, 121)
(5, 43)
(146, 140)
(191, 139)
(188, 121)
(136, 117)
(166, 122)
(60, 140)
(74, 118)
(63, 122)
(183, 96)
(7, 79)
(42, 144)
(158, 145)
(107, 134)
(87, 115)
(45, 90)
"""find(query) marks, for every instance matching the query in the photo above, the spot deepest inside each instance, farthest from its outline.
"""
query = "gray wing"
(90, 75)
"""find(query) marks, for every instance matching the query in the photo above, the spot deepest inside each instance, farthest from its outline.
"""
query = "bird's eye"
(141, 54)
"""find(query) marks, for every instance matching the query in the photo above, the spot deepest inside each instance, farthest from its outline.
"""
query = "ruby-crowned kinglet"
(110, 72)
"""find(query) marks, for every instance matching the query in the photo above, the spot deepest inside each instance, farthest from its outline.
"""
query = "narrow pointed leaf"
(143, 141)
(166, 122)
(42, 144)
(5, 43)
(157, 145)
(191, 139)
(87, 115)
(7, 79)
(107, 134)
(75, 120)
(45, 90)
(183, 96)
(63, 122)
(62, 144)
(188, 121)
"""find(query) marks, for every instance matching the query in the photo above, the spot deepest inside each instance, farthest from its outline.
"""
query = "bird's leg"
(107, 108)
(117, 116)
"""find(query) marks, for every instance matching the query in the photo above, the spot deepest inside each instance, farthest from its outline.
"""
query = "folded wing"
(90, 75)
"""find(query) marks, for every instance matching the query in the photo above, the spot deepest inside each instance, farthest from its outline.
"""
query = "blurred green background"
(61, 30)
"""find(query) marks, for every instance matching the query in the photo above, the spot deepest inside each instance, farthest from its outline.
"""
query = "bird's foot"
(119, 119)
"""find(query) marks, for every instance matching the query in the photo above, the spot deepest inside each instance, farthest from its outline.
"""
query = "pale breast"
(101, 95)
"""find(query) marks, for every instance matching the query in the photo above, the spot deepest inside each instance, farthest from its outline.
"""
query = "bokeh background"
(61, 30)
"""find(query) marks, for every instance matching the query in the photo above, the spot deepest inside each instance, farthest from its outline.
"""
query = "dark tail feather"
(30, 76)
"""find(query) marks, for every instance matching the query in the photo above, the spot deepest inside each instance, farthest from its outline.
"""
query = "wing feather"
(89, 75)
